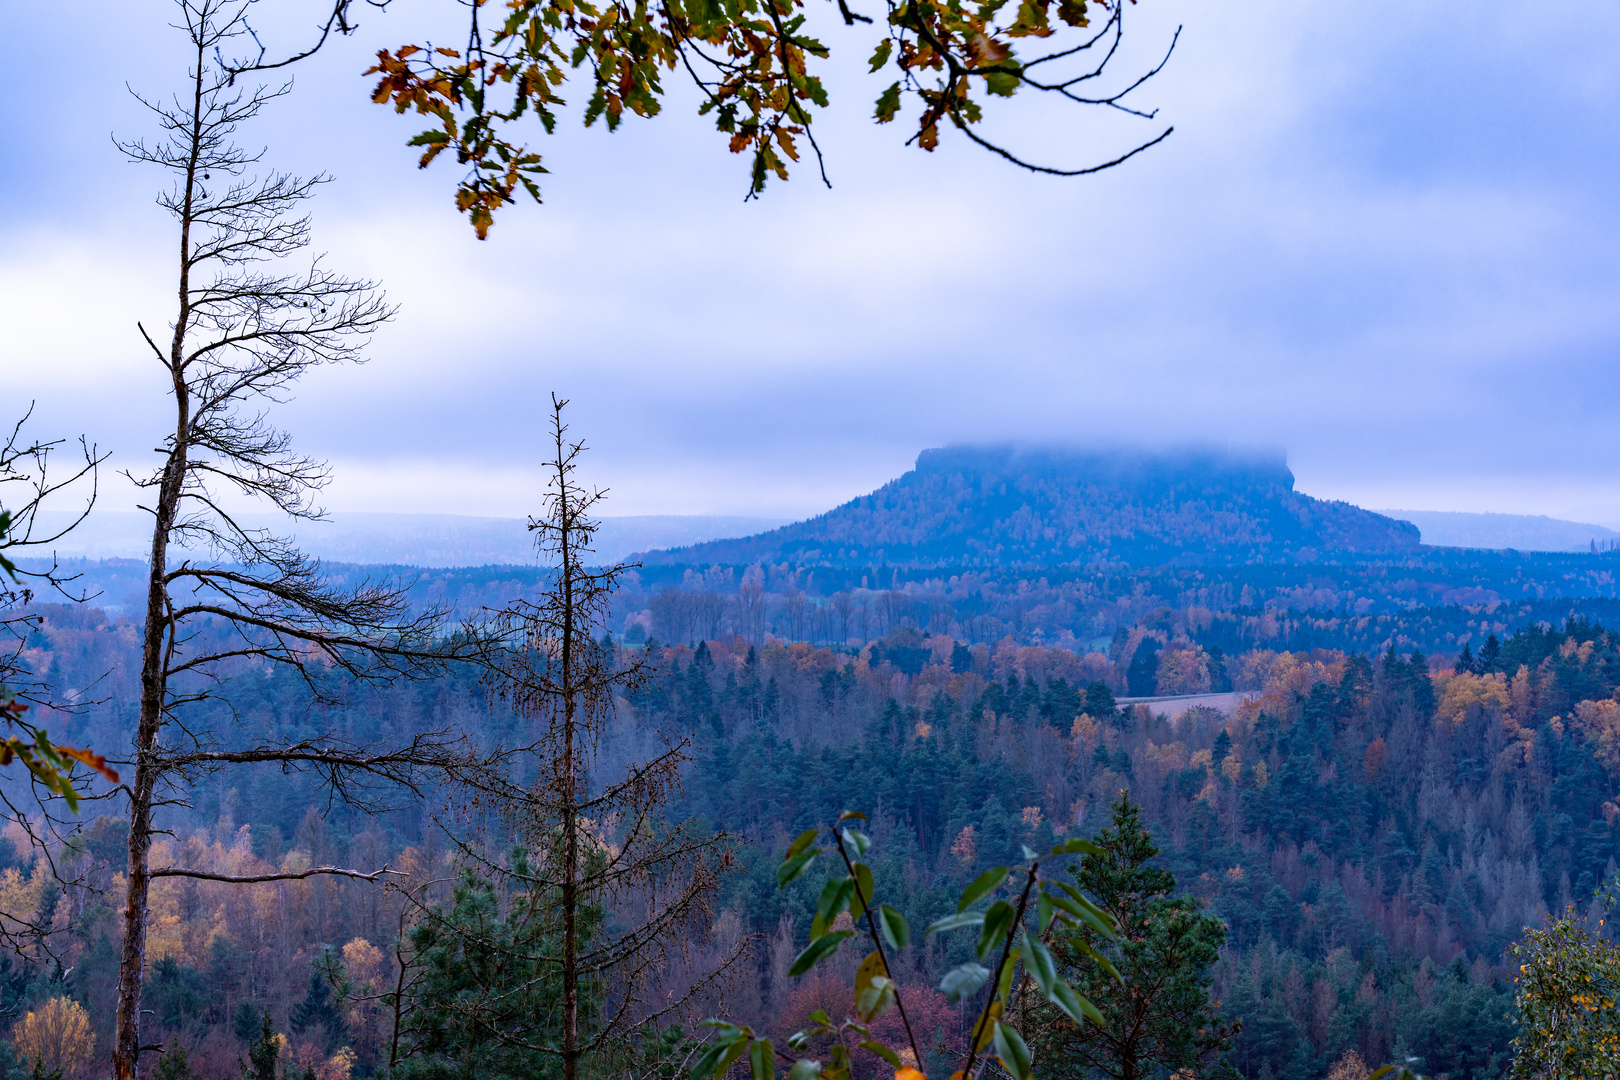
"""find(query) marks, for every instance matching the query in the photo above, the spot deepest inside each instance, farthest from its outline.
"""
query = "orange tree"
(756, 68)
(1007, 960)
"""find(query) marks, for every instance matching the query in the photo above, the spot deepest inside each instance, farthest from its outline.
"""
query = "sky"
(1386, 239)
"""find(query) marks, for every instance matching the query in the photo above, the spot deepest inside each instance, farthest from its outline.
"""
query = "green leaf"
(963, 981)
(1001, 83)
(880, 55)
(984, 1027)
(1044, 912)
(801, 842)
(729, 1043)
(857, 840)
(817, 951)
(704, 1066)
(805, 1070)
(982, 885)
(834, 899)
(998, 922)
(1077, 846)
(848, 814)
(863, 884)
(1041, 967)
(888, 104)
(762, 1060)
(956, 922)
(1096, 957)
(1004, 983)
(794, 867)
(882, 1051)
(1078, 1008)
(1013, 1053)
(1085, 911)
(735, 1050)
(871, 968)
(896, 931)
(875, 1000)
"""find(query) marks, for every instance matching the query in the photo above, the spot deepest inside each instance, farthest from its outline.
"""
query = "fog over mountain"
(1008, 505)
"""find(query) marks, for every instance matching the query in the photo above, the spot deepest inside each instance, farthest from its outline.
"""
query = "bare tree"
(248, 322)
(26, 485)
(750, 606)
(611, 848)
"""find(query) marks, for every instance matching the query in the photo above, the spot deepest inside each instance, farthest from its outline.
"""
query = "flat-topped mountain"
(1050, 506)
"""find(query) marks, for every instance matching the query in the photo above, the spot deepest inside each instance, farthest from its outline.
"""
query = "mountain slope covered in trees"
(1374, 831)
(1000, 506)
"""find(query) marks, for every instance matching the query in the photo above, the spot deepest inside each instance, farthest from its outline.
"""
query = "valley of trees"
(572, 821)
(1373, 832)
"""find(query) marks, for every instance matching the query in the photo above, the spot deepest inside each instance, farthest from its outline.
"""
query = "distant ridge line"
(1034, 506)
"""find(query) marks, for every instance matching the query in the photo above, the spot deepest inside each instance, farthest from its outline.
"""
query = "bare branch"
(257, 879)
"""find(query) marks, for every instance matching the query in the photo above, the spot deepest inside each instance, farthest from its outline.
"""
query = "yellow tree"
(56, 1036)
(1568, 982)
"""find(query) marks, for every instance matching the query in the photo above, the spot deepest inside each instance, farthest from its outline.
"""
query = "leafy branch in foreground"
(1160, 1020)
(1568, 983)
(753, 64)
(26, 463)
(1003, 939)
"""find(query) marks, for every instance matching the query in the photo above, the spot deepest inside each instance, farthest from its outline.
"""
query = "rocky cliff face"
(1048, 506)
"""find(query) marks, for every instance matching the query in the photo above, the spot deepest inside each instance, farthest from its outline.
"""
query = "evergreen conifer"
(1160, 1020)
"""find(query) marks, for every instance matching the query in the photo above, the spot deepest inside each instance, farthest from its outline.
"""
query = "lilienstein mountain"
(1014, 506)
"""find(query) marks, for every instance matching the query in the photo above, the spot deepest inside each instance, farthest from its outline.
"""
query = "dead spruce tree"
(603, 847)
(222, 597)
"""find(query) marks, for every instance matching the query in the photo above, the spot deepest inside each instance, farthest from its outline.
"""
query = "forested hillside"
(1000, 506)
(1374, 830)
(1431, 600)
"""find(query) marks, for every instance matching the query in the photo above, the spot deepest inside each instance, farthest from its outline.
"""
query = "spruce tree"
(1465, 661)
(319, 1010)
(262, 1052)
(175, 1065)
(486, 1002)
(1159, 1019)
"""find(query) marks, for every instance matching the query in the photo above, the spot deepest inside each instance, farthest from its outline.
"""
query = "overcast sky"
(1384, 238)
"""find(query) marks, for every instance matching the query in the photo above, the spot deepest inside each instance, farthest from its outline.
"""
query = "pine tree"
(1465, 661)
(319, 1010)
(1160, 1019)
(487, 1003)
(262, 1052)
(175, 1065)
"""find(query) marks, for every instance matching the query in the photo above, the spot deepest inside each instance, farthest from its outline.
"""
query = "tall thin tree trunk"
(570, 889)
(154, 661)
(132, 961)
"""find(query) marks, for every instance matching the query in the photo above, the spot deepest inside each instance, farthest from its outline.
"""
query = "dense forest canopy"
(1374, 830)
